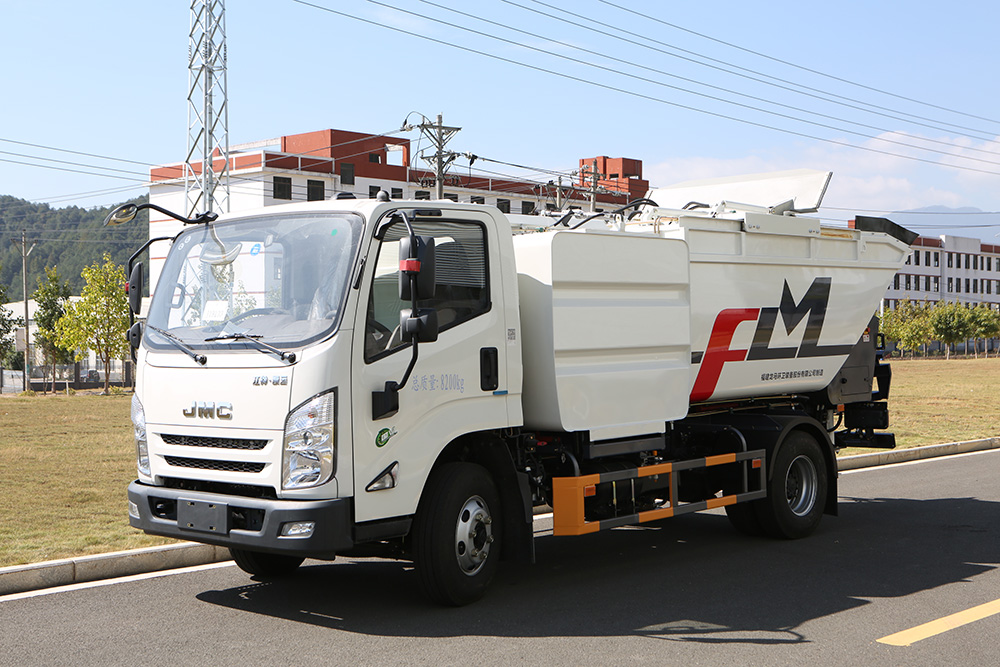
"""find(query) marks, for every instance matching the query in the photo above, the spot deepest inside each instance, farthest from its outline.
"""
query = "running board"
(569, 493)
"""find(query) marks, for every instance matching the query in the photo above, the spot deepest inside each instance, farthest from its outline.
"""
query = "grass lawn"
(64, 464)
(65, 460)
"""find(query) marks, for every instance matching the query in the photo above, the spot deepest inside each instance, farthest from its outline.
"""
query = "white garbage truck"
(416, 378)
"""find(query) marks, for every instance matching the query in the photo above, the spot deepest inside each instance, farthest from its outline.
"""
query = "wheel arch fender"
(769, 432)
(822, 437)
(489, 450)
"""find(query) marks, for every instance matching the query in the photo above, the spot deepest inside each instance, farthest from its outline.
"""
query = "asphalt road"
(913, 543)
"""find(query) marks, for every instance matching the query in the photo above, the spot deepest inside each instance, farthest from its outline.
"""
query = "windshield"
(280, 279)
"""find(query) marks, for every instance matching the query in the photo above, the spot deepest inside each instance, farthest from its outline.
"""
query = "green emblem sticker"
(383, 436)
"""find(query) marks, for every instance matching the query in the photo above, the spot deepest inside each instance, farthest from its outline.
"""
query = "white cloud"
(883, 178)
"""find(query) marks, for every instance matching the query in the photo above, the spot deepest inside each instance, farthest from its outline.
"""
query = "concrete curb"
(21, 578)
(915, 453)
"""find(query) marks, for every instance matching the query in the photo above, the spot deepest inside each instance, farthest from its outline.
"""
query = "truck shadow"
(690, 579)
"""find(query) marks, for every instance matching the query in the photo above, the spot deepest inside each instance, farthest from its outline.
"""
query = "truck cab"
(269, 338)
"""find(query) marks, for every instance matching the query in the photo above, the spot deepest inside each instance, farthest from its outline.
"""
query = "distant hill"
(937, 220)
(68, 238)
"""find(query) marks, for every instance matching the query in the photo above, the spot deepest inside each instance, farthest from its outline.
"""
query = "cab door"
(459, 382)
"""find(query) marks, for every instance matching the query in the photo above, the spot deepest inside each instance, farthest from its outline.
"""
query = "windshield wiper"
(253, 338)
(199, 358)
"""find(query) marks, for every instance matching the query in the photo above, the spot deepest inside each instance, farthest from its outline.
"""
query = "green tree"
(908, 325)
(916, 328)
(99, 321)
(51, 297)
(950, 323)
(985, 324)
(8, 326)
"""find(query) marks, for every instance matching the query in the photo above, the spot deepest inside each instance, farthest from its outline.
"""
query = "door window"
(461, 286)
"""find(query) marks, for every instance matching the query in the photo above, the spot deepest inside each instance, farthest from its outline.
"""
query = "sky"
(899, 99)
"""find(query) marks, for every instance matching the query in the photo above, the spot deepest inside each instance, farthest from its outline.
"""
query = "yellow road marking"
(957, 620)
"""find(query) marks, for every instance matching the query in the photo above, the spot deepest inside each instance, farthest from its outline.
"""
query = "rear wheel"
(456, 534)
(265, 565)
(796, 492)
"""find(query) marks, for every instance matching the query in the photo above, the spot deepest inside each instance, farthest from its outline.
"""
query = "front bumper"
(244, 523)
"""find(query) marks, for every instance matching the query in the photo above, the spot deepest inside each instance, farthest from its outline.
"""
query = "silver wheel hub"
(473, 535)
(801, 485)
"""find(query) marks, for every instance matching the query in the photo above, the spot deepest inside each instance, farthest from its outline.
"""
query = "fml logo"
(719, 350)
(209, 410)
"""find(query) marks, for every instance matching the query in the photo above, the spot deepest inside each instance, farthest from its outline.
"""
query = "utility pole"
(208, 110)
(594, 176)
(439, 134)
(25, 251)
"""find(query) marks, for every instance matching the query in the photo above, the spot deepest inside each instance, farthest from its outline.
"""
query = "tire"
(743, 516)
(456, 535)
(265, 565)
(796, 492)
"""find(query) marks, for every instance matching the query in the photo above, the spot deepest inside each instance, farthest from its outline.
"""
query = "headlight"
(309, 454)
(139, 426)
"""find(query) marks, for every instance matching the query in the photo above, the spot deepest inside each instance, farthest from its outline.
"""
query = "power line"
(793, 87)
(797, 66)
(641, 95)
(672, 87)
(702, 83)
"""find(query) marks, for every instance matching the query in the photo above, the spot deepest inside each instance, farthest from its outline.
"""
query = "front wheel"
(796, 492)
(456, 534)
(265, 565)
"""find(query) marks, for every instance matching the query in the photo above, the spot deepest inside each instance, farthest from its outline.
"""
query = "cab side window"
(461, 288)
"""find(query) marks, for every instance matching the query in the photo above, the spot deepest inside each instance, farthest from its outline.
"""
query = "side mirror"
(135, 288)
(135, 335)
(121, 215)
(419, 261)
(422, 326)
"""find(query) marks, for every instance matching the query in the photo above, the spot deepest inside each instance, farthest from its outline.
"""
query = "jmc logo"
(718, 352)
(209, 410)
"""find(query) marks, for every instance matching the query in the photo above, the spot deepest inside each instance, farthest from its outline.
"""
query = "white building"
(948, 268)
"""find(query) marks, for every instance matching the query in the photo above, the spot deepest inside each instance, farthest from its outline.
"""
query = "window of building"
(373, 191)
(916, 258)
(967, 261)
(966, 285)
(315, 190)
(347, 173)
(527, 207)
(950, 260)
(421, 194)
(975, 262)
(936, 258)
(975, 286)
(895, 282)
(282, 187)
(927, 283)
(375, 158)
(451, 195)
(937, 284)
(461, 287)
(503, 205)
(476, 199)
(397, 193)
(988, 284)
(951, 285)
(989, 263)
(927, 258)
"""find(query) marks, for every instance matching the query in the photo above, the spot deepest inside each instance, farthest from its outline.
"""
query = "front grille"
(225, 488)
(208, 464)
(218, 443)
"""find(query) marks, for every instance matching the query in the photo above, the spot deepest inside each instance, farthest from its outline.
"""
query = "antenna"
(206, 176)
